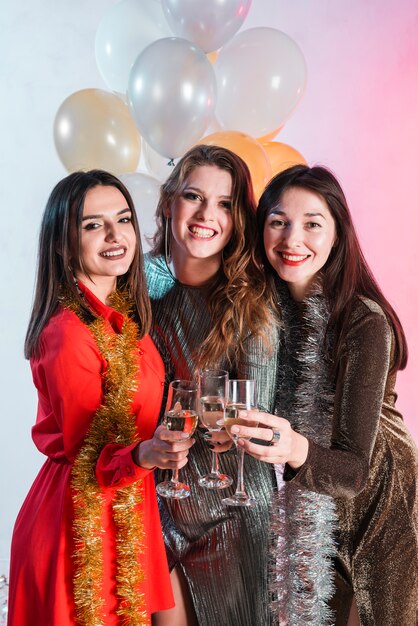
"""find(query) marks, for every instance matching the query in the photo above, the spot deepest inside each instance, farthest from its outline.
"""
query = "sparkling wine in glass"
(180, 415)
(241, 397)
(212, 391)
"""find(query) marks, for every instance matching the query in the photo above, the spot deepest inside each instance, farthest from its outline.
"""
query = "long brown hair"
(346, 273)
(64, 209)
(239, 299)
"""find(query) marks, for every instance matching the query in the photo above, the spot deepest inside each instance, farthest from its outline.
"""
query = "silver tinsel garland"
(303, 523)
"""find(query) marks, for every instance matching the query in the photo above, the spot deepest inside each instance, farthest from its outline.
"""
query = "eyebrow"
(99, 215)
(191, 188)
(277, 211)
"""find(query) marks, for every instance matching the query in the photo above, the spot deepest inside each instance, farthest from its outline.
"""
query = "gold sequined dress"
(370, 469)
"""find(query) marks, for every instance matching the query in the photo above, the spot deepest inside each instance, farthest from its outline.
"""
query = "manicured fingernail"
(185, 435)
(235, 430)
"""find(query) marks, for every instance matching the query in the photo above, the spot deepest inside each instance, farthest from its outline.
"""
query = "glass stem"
(175, 476)
(215, 467)
(240, 479)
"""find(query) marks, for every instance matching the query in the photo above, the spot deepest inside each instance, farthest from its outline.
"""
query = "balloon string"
(171, 162)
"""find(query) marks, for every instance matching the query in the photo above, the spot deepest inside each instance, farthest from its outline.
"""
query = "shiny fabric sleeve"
(342, 470)
(68, 375)
(259, 363)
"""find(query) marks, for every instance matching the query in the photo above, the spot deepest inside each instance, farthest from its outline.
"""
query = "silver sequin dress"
(223, 552)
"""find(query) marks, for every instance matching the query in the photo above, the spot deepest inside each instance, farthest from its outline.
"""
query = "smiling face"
(108, 240)
(201, 220)
(299, 234)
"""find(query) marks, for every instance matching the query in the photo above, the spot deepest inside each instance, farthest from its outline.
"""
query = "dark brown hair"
(63, 210)
(238, 300)
(346, 273)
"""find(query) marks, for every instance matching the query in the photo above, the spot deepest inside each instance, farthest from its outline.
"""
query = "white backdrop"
(359, 117)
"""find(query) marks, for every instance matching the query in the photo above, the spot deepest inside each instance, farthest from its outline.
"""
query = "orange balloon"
(250, 151)
(282, 156)
(212, 56)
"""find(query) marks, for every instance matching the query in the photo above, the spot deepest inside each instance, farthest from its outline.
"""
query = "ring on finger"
(275, 437)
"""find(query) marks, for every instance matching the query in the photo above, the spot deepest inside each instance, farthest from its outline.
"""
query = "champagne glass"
(241, 396)
(213, 389)
(180, 415)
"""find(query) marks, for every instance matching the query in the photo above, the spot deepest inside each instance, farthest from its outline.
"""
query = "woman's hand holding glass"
(286, 445)
(167, 449)
(181, 420)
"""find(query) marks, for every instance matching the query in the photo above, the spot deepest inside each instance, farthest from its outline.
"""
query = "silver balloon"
(209, 24)
(160, 166)
(261, 76)
(171, 95)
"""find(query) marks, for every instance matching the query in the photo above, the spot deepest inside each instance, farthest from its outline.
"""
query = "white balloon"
(171, 94)
(159, 166)
(214, 126)
(208, 23)
(145, 192)
(124, 31)
(261, 76)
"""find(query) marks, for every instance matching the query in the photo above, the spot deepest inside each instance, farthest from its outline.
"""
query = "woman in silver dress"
(209, 306)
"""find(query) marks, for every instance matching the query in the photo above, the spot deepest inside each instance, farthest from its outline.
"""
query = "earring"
(167, 250)
(70, 269)
(72, 272)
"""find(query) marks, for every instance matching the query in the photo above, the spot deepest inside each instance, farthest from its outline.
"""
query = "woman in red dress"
(87, 547)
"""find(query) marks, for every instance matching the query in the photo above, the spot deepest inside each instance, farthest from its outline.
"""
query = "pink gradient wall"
(359, 117)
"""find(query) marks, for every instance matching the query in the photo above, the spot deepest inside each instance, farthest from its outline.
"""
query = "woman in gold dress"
(348, 466)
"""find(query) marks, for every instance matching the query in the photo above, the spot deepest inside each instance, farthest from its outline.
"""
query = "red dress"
(68, 376)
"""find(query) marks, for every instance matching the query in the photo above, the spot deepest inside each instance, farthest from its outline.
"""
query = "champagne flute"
(213, 389)
(241, 396)
(180, 415)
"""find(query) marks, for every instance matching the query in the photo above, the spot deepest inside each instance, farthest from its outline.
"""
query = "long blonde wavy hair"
(239, 302)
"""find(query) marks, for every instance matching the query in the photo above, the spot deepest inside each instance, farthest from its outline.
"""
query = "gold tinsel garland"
(112, 423)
